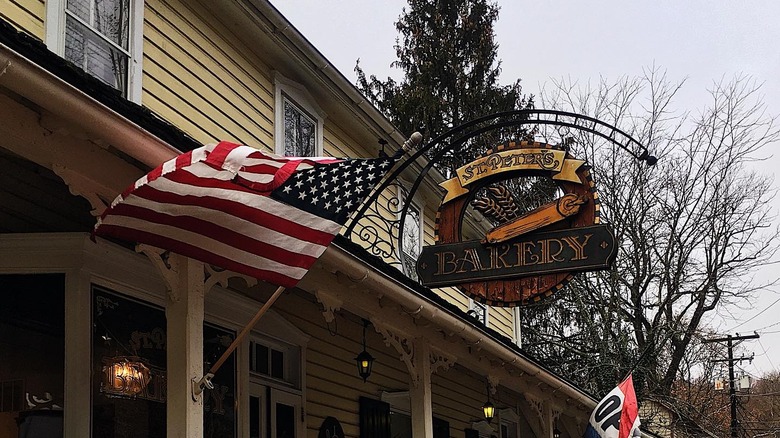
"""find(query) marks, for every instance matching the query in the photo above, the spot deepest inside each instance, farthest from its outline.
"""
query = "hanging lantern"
(488, 410)
(124, 376)
(364, 360)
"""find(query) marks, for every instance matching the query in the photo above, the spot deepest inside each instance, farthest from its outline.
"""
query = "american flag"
(238, 208)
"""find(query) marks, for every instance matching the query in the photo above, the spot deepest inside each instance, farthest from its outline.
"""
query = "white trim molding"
(55, 41)
(300, 97)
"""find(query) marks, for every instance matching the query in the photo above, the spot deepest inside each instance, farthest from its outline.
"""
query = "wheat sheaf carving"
(498, 205)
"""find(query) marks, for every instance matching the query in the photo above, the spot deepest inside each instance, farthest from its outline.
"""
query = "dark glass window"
(125, 328)
(260, 362)
(300, 131)
(32, 354)
(219, 413)
(285, 421)
(134, 331)
(277, 364)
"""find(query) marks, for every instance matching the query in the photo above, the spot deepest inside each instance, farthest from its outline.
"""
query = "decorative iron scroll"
(379, 223)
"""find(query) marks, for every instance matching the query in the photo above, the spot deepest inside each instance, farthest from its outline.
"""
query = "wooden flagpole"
(205, 381)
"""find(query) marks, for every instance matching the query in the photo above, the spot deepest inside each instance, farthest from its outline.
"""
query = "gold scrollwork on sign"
(549, 160)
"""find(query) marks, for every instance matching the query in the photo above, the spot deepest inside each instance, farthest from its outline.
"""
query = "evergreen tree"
(447, 52)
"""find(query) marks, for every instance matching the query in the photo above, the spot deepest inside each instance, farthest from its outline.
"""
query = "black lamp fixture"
(488, 409)
(364, 360)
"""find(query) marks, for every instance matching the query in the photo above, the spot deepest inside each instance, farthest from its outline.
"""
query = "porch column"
(420, 391)
(184, 279)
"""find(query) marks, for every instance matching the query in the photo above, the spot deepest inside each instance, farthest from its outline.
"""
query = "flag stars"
(287, 189)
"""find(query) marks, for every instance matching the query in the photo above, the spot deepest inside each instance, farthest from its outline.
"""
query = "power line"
(755, 316)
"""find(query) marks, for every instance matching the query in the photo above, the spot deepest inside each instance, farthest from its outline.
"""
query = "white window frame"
(473, 306)
(285, 88)
(55, 41)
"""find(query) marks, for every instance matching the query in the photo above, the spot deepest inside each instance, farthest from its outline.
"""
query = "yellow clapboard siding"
(237, 100)
(212, 47)
(343, 145)
(25, 15)
(501, 320)
(223, 103)
(196, 106)
(250, 98)
(167, 104)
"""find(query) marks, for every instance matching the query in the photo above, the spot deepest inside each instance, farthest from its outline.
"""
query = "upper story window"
(300, 130)
(103, 37)
(479, 311)
(299, 121)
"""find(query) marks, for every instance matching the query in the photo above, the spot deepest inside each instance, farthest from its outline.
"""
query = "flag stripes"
(214, 204)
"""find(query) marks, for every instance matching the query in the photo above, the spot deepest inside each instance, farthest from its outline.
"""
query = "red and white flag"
(241, 209)
(617, 414)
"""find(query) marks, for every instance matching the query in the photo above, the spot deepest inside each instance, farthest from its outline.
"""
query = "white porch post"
(184, 313)
(420, 391)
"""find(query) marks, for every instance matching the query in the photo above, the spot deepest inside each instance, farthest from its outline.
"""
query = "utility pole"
(731, 360)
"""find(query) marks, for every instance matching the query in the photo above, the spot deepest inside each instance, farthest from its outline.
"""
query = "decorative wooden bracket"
(330, 302)
(80, 185)
(493, 383)
(222, 277)
(441, 361)
(402, 345)
(167, 266)
(406, 347)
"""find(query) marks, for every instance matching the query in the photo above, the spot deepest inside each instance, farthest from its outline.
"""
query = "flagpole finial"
(414, 140)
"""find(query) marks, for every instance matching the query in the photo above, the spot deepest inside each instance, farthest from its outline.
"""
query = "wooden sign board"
(570, 250)
(526, 255)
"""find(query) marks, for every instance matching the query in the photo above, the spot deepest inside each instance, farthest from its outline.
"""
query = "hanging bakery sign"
(543, 210)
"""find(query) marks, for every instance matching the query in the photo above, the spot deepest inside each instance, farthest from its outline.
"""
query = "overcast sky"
(700, 41)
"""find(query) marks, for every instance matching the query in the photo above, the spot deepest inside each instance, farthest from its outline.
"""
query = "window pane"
(219, 414)
(112, 20)
(95, 55)
(254, 417)
(121, 406)
(261, 359)
(80, 8)
(400, 425)
(277, 364)
(32, 355)
(299, 132)
(285, 421)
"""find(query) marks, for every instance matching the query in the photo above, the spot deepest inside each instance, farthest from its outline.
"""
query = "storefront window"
(32, 349)
(219, 404)
(129, 359)
(129, 365)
